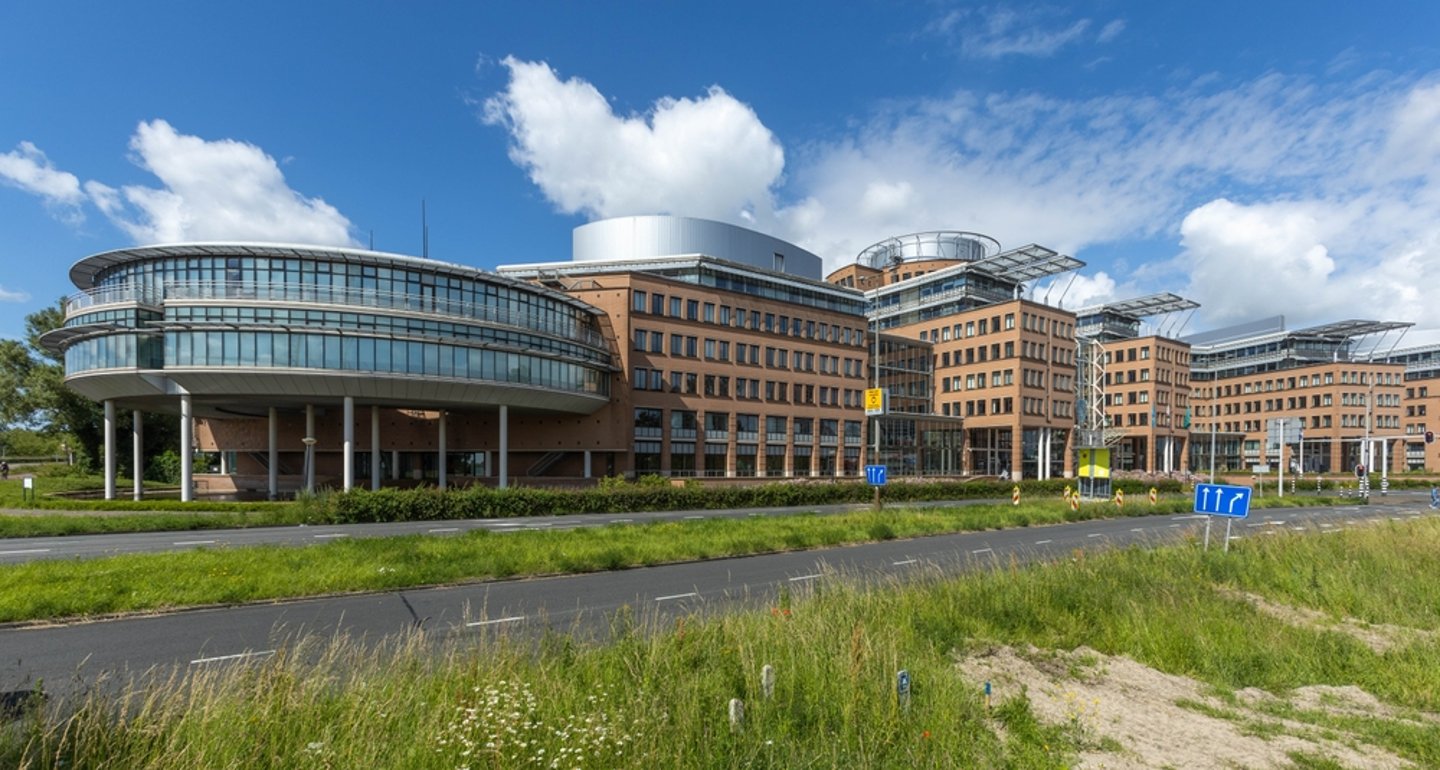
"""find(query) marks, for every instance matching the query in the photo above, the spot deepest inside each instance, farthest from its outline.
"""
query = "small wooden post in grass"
(767, 681)
(737, 714)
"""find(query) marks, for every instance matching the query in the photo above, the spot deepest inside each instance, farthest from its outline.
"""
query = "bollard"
(987, 696)
(1015, 495)
(1075, 502)
(1066, 496)
(902, 689)
(737, 714)
(1119, 498)
(767, 681)
(1154, 495)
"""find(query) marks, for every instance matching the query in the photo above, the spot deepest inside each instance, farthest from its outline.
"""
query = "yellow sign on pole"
(1094, 463)
(874, 401)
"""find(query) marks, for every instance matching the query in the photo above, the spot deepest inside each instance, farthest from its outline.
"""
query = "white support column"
(109, 450)
(137, 457)
(187, 449)
(309, 448)
(374, 448)
(224, 462)
(504, 447)
(441, 468)
(273, 458)
(587, 463)
(394, 464)
(347, 446)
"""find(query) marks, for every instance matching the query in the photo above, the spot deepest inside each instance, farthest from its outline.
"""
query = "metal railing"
(330, 295)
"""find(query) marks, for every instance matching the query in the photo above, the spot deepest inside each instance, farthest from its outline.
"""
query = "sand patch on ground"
(1156, 720)
(1380, 637)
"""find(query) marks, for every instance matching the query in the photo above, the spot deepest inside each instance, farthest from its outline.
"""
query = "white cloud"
(27, 168)
(1078, 291)
(707, 157)
(997, 32)
(214, 190)
(1110, 31)
(7, 295)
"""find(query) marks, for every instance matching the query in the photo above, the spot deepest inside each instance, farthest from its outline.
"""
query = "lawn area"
(52, 589)
(1128, 654)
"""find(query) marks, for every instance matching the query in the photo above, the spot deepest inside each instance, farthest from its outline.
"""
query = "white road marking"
(540, 524)
(1174, 526)
(27, 550)
(675, 596)
(444, 529)
(194, 542)
(1096, 534)
(337, 534)
(694, 517)
(982, 550)
(1042, 542)
(621, 521)
(511, 619)
(804, 577)
(236, 656)
(901, 563)
(1137, 529)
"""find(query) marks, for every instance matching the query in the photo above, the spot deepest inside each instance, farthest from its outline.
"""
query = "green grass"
(654, 694)
(53, 589)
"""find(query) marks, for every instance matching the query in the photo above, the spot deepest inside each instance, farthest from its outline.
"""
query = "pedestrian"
(1434, 496)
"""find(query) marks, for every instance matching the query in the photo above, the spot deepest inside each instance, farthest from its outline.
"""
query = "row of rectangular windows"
(655, 304)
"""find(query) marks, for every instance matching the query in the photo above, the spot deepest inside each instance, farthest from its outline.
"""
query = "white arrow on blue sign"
(1222, 500)
(875, 475)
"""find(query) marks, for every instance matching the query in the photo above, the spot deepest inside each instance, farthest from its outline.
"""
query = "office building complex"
(1348, 402)
(1137, 386)
(1003, 364)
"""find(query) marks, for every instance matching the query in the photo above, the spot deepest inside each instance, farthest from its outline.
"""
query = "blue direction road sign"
(1222, 500)
(875, 475)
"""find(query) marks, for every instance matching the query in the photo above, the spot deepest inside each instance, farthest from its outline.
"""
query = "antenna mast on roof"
(424, 232)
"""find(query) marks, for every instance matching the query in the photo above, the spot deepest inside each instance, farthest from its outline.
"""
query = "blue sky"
(1260, 158)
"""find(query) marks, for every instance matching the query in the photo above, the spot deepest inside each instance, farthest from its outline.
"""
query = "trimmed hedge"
(431, 504)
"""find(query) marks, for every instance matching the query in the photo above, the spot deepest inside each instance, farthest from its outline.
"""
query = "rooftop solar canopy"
(1142, 307)
(1353, 328)
(1026, 263)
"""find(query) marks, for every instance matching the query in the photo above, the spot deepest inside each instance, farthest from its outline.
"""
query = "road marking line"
(675, 596)
(621, 521)
(1137, 529)
(803, 577)
(694, 517)
(1042, 542)
(511, 619)
(901, 563)
(505, 523)
(444, 529)
(1174, 526)
(236, 656)
(194, 542)
(539, 524)
(337, 534)
(1096, 534)
(982, 550)
(27, 550)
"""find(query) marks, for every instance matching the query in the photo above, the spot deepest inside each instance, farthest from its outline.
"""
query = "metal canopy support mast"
(504, 463)
(348, 449)
(441, 441)
(273, 459)
(137, 462)
(374, 448)
(187, 450)
(109, 450)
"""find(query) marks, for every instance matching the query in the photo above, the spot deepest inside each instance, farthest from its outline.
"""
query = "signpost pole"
(1208, 517)
(1227, 534)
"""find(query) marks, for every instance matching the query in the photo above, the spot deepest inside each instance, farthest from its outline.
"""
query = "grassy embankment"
(657, 697)
(51, 589)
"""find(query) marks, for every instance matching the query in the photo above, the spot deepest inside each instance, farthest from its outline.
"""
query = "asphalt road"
(22, 549)
(66, 658)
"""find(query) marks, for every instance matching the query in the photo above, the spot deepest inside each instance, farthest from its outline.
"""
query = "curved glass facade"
(332, 310)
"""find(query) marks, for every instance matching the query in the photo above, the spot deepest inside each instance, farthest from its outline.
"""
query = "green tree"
(33, 394)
